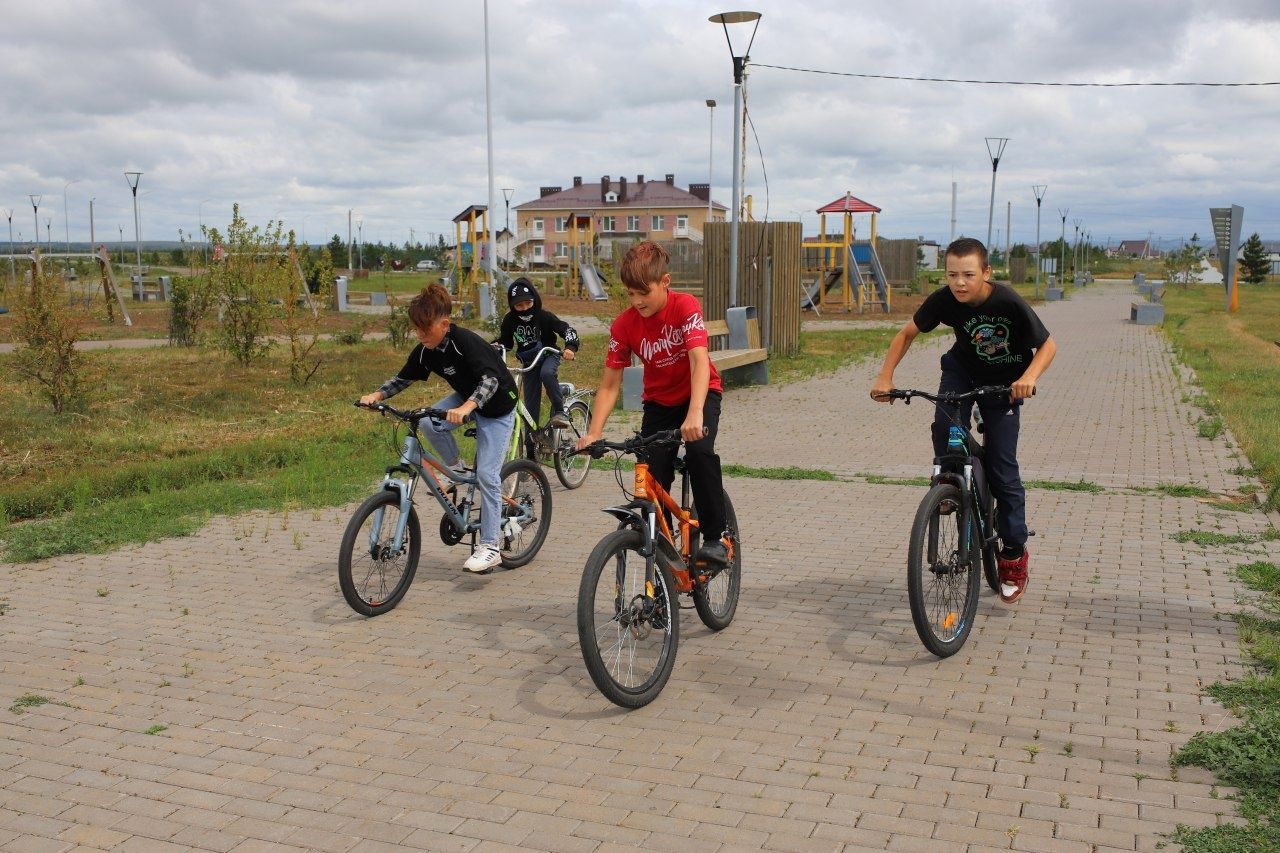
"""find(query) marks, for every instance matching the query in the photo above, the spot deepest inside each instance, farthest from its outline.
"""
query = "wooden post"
(109, 284)
(846, 258)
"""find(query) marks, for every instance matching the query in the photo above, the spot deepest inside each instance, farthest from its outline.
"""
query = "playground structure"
(111, 293)
(470, 253)
(843, 271)
(584, 275)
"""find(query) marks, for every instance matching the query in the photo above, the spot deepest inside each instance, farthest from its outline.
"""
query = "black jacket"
(531, 331)
(463, 359)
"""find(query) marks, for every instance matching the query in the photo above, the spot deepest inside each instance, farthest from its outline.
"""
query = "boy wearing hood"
(526, 329)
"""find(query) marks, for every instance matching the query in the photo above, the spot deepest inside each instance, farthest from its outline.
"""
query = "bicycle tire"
(532, 490)
(619, 551)
(990, 563)
(573, 470)
(366, 588)
(714, 615)
(933, 569)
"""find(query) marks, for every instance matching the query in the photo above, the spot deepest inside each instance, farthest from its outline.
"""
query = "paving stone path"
(464, 719)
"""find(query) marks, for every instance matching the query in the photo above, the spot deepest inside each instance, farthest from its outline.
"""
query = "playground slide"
(863, 254)
(811, 299)
(593, 281)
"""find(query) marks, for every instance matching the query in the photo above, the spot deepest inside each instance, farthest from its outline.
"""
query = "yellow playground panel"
(471, 251)
(842, 271)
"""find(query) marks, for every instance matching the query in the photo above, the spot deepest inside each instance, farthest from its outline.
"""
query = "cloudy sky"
(303, 109)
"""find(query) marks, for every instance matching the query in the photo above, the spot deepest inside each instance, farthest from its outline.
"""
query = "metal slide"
(593, 281)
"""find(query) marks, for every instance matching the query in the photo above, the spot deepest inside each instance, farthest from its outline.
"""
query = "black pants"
(1001, 424)
(546, 376)
(700, 459)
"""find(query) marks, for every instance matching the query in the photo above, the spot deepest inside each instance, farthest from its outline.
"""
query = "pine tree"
(1254, 262)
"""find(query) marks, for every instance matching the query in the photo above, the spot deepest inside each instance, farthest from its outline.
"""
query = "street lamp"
(724, 19)
(133, 178)
(120, 244)
(711, 147)
(360, 241)
(1062, 252)
(995, 150)
(507, 193)
(13, 270)
(35, 213)
(1039, 190)
(48, 231)
(1075, 250)
(489, 212)
(66, 222)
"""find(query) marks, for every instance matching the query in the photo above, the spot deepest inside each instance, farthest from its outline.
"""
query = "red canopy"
(849, 203)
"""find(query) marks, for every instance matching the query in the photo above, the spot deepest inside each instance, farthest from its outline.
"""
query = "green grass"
(1208, 539)
(1238, 365)
(826, 351)
(31, 700)
(156, 729)
(878, 480)
(1247, 756)
(1176, 490)
(789, 472)
(1080, 485)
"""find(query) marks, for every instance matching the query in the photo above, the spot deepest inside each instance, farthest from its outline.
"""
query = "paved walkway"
(464, 720)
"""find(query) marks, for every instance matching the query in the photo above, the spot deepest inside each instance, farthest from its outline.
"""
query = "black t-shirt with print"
(995, 340)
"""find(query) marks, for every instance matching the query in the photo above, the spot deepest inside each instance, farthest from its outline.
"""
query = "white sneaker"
(483, 560)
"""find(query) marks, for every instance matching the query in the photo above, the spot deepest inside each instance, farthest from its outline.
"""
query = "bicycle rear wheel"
(717, 600)
(628, 638)
(990, 566)
(943, 591)
(573, 469)
(526, 511)
(372, 577)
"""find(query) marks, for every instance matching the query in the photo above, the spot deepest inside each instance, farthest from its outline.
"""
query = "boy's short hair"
(429, 306)
(965, 246)
(643, 264)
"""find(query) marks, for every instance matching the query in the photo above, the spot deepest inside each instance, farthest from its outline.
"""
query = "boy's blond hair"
(643, 264)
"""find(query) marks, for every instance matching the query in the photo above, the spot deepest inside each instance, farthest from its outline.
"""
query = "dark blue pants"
(546, 376)
(1000, 440)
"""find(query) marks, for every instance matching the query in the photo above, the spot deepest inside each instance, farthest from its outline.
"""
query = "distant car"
(424, 266)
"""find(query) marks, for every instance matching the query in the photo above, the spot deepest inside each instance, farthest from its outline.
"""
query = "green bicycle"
(547, 445)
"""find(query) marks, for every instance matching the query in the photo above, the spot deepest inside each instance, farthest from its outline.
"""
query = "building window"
(682, 225)
(538, 225)
(657, 223)
(537, 251)
(560, 224)
(562, 250)
(606, 223)
(633, 223)
(610, 197)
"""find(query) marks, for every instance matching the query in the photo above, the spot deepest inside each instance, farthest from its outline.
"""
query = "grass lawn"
(171, 436)
(1237, 362)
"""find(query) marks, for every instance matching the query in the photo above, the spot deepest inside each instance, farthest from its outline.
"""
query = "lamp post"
(48, 231)
(134, 178)
(35, 213)
(93, 237)
(13, 270)
(488, 126)
(360, 241)
(1062, 253)
(507, 193)
(724, 19)
(66, 221)
(120, 244)
(1075, 250)
(1039, 190)
(711, 146)
(995, 150)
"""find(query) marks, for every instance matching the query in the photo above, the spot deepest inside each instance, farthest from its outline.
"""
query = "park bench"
(159, 290)
(1151, 312)
(741, 361)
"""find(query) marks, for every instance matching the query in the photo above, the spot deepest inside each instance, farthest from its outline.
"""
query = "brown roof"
(648, 194)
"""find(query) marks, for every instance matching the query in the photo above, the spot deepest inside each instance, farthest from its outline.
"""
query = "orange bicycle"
(628, 612)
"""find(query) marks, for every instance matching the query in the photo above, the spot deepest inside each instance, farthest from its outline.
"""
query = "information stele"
(1227, 222)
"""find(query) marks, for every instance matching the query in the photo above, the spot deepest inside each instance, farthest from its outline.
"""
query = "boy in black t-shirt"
(482, 391)
(527, 328)
(999, 341)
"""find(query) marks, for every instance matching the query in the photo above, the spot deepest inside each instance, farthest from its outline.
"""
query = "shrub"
(398, 330)
(47, 331)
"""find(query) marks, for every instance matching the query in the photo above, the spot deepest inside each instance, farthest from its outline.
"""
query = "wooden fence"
(768, 278)
(898, 257)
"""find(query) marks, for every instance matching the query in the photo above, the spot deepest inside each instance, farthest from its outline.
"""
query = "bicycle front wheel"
(628, 634)
(526, 511)
(374, 577)
(716, 600)
(573, 469)
(943, 589)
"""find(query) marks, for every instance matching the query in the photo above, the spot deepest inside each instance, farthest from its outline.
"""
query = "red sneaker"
(1013, 577)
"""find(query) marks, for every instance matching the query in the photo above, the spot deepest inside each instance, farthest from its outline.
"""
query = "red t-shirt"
(662, 342)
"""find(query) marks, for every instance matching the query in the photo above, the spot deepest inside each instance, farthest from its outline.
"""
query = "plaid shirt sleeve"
(394, 386)
(484, 391)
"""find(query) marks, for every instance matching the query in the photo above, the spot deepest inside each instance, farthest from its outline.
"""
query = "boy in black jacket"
(483, 391)
(527, 329)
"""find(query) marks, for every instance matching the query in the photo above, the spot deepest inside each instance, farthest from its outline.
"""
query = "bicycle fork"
(404, 487)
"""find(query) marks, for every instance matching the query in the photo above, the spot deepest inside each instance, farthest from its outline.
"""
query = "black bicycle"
(954, 537)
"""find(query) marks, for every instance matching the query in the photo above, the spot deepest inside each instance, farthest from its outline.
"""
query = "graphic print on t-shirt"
(990, 338)
(667, 348)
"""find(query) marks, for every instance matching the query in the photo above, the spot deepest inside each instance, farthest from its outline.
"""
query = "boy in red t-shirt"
(681, 386)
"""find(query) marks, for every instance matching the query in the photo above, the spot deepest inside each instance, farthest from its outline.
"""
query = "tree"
(46, 332)
(255, 270)
(1181, 265)
(1254, 262)
(338, 250)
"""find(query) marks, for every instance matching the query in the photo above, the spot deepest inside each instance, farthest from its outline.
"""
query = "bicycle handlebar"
(536, 359)
(411, 416)
(631, 445)
(906, 394)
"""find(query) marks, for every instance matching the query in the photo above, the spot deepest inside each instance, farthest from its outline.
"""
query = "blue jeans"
(492, 436)
(1001, 423)
(547, 375)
